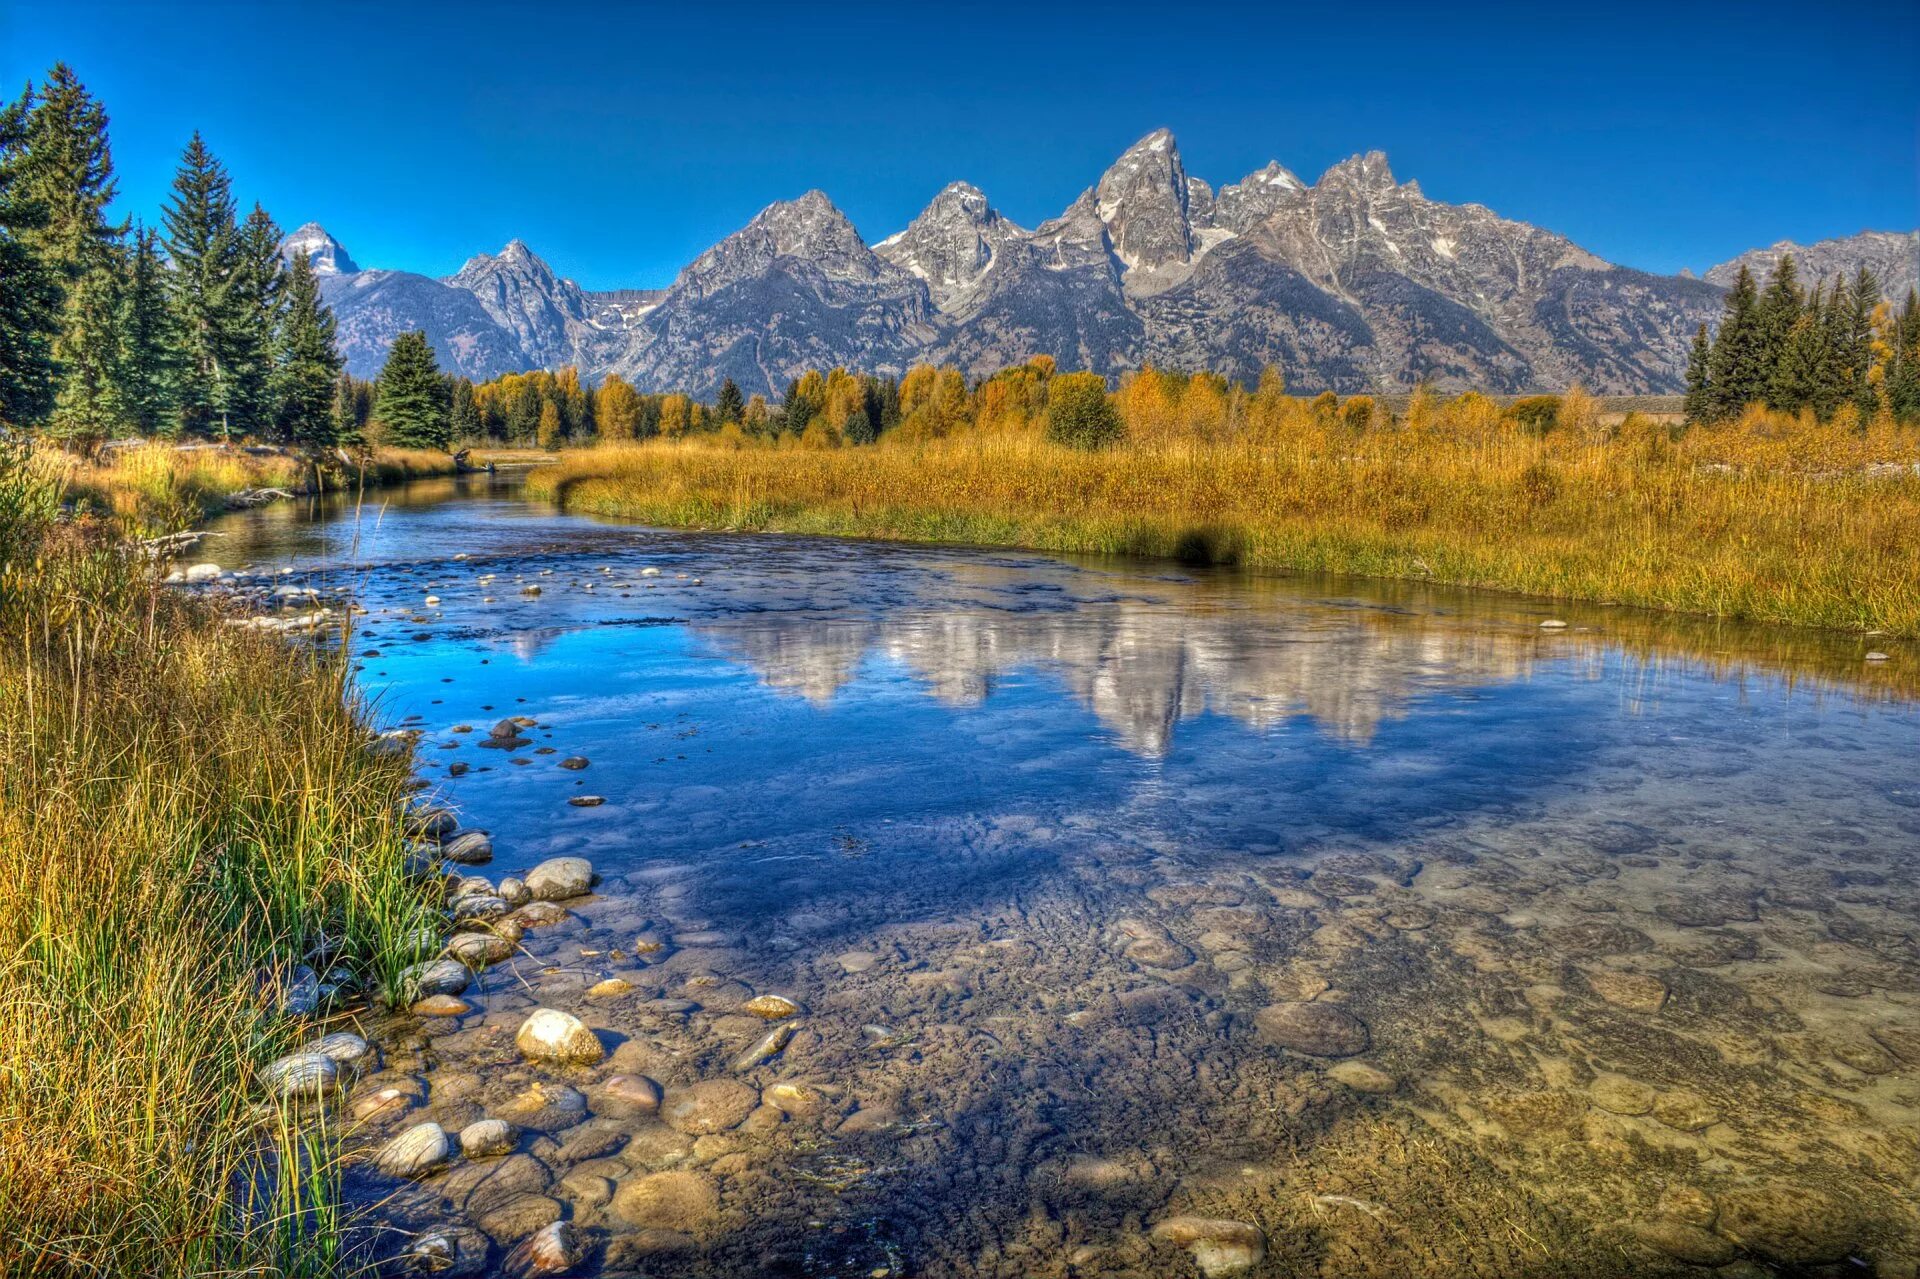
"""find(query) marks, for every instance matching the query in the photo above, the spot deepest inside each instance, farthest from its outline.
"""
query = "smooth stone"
(625, 1096)
(1620, 1095)
(514, 892)
(435, 977)
(676, 1200)
(713, 1105)
(346, 1048)
(587, 1189)
(478, 906)
(516, 1218)
(1683, 1242)
(553, 1250)
(772, 1007)
(587, 801)
(559, 878)
(302, 1075)
(486, 1138)
(416, 1152)
(431, 822)
(476, 950)
(441, 1006)
(611, 988)
(1362, 1076)
(504, 730)
(205, 572)
(574, 763)
(539, 915)
(551, 1035)
(855, 962)
(469, 848)
(796, 1099)
(1320, 1030)
(1219, 1246)
(546, 1107)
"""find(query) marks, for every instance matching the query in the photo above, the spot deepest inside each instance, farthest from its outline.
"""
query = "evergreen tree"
(729, 405)
(150, 345)
(29, 294)
(1803, 374)
(253, 324)
(202, 246)
(1856, 341)
(1699, 402)
(463, 414)
(69, 174)
(1903, 362)
(1779, 310)
(346, 415)
(1736, 371)
(1080, 413)
(411, 406)
(307, 364)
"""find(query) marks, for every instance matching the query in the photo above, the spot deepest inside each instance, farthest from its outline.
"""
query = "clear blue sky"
(621, 142)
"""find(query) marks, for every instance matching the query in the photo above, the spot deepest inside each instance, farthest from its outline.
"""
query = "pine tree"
(346, 414)
(1802, 375)
(29, 294)
(1736, 371)
(307, 363)
(1779, 310)
(90, 405)
(729, 405)
(253, 323)
(411, 406)
(150, 343)
(202, 246)
(463, 414)
(1857, 341)
(1699, 404)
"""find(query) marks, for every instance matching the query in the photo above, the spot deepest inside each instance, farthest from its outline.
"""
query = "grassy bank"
(156, 487)
(1749, 521)
(186, 808)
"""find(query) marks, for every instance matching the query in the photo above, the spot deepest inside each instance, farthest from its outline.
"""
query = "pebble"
(766, 1048)
(514, 892)
(469, 847)
(796, 1099)
(1362, 1076)
(772, 1007)
(574, 762)
(486, 1138)
(554, 1249)
(560, 878)
(1687, 1111)
(435, 977)
(1219, 1246)
(855, 962)
(416, 1152)
(1320, 1030)
(587, 801)
(714, 1105)
(455, 1251)
(301, 1075)
(626, 1097)
(476, 950)
(441, 1006)
(611, 988)
(551, 1035)
(347, 1049)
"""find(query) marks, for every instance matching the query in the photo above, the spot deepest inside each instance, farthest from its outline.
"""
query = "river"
(1415, 936)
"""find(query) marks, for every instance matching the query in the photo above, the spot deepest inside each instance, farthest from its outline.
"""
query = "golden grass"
(1764, 520)
(185, 808)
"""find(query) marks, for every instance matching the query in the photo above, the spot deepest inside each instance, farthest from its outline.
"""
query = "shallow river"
(1378, 928)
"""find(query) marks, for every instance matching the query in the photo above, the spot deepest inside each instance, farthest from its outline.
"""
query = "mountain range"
(1355, 282)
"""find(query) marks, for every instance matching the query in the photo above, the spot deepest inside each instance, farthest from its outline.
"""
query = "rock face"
(1356, 282)
(1892, 256)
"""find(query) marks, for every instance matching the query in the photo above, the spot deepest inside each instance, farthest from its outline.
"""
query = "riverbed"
(1416, 931)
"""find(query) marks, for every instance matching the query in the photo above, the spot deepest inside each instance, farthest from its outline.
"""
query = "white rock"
(201, 572)
(486, 1138)
(559, 878)
(551, 1035)
(416, 1152)
(302, 1075)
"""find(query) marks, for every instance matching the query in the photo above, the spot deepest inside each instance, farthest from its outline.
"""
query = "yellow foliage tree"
(618, 410)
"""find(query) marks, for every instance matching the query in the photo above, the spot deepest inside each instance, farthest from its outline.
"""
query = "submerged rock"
(683, 1201)
(1220, 1246)
(551, 1035)
(301, 1075)
(486, 1138)
(451, 1251)
(714, 1105)
(772, 1007)
(434, 977)
(766, 1048)
(553, 1250)
(1320, 1030)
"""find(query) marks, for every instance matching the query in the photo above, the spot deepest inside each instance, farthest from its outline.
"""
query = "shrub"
(1079, 412)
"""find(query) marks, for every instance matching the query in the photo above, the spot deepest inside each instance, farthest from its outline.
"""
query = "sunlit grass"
(186, 809)
(1768, 519)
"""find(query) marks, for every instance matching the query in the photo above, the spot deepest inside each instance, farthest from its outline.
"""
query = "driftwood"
(246, 499)
(171, 544)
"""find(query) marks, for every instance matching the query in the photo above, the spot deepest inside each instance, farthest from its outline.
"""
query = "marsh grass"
(1768, 519)
(186, 808)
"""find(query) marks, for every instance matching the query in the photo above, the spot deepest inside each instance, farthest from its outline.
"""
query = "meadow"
(188, 812)
(1770, 517)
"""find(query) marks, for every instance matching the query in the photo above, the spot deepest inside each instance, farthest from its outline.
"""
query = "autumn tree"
(617, 407)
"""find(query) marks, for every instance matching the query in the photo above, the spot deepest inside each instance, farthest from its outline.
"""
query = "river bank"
(203, 856)
(1802, 531)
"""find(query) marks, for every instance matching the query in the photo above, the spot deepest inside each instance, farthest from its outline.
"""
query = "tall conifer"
(202, 246)
(411, 406)
(29, 294)
(307, 363)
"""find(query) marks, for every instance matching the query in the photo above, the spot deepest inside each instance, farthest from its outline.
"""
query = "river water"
(1419, 938)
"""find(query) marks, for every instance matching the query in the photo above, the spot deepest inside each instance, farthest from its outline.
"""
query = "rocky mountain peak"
(1243, 205)
(326, 254)
(1368, 172)
(951, 243)
(1143, 200)
(810, 229)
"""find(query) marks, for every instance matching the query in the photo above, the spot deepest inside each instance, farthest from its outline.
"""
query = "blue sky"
(620, 141)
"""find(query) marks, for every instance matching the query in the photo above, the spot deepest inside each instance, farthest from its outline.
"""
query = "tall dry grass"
(186, 810)
(1767, 519)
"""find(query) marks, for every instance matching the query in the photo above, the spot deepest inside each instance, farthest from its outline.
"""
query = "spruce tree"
(1802, 374)
(1779, 310)
(29, 294)
(150, 342)
(411, 407)
(1863, 299)
(729, 405)
(1699, 400)
(69, 174)
(1736, 370)
(463, 414)
(253, 323)
(202, 246)
(307, 363)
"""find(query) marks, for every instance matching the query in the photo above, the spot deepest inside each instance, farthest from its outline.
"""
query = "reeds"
(187, 810)
(1770, 519)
